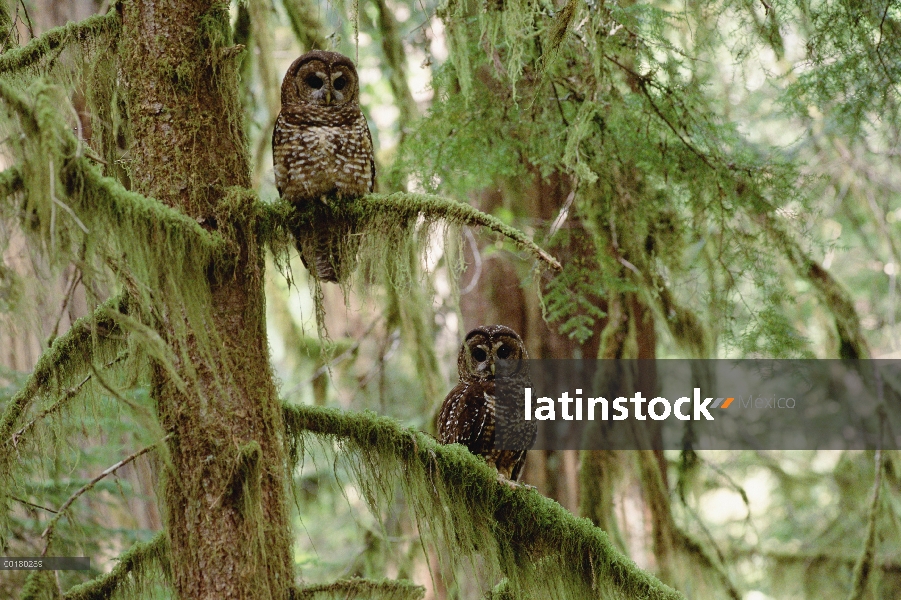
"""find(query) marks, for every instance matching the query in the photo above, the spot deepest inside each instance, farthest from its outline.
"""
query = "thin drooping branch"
(522, 521)
(58, 38)
(48, 531)
(865, 564)
(132, 564)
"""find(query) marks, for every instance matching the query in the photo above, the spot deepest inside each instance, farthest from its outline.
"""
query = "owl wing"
(278, 140)
(467, 416)
(371, 155)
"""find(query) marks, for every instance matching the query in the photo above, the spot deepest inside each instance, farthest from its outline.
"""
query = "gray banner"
(709, 404)
(45, 563)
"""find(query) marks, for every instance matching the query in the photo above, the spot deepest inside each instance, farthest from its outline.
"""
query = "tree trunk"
(224, 500)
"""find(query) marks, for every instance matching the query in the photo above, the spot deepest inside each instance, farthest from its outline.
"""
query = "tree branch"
(852, 342)
(535, 540)
(132, 564)
(77, 344)
(407, 205)
(865, 564)
(125, 212)
(48, 531)
(363, 588)
(57, 39)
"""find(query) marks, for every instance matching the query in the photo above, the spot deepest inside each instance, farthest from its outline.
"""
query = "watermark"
(45, 563)
(706, 404)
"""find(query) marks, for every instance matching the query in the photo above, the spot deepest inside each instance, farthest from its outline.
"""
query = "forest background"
(716, 180)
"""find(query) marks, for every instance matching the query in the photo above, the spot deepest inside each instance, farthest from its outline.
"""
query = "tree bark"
(225, 499)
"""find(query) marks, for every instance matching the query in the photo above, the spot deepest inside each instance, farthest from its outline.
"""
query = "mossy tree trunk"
(225, 497)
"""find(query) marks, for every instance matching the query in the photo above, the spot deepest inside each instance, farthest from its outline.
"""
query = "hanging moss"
(90, 339)
(477, 524)
(161, 254)
(58, 39)
(386, 220)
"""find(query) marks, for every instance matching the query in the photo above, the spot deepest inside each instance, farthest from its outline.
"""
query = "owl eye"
(340, 83)
(314, 81)
(503, 352)
(479, 354)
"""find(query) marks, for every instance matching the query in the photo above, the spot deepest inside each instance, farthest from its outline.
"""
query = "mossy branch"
(57, 39)
(127, 207)
(852, 343)
(530, 539)
(95, 195)
(134, 563)
(349, 589)
(404, 207)
(69, 351)
(432, 206)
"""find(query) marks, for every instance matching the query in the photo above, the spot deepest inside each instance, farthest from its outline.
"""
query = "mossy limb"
(58, 38)
(477, 524)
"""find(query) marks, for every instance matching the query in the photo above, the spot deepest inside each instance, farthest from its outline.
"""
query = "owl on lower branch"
(322, 150)
(492, 357)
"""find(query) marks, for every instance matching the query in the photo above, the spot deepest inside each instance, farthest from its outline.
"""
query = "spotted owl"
(474, 415)
(322, 150)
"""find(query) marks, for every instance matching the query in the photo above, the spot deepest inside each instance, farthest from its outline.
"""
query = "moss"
(130, 575)
(476, 523)
(58, 39)
(92, 338)
(10, 182)
(351, 589)
(386, 222)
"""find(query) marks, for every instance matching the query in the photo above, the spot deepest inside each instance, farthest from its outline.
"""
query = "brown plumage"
(473, 416)
(322, 150)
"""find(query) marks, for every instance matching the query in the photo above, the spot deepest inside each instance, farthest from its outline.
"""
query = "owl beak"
(328, 96)
(492, 368)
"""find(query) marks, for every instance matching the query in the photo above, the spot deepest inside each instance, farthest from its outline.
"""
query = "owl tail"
(328, 253)
(317, 256)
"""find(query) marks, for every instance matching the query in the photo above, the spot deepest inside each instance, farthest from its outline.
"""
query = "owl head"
(320, 78)
(491, 351)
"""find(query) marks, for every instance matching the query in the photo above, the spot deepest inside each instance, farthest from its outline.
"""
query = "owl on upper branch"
(474, 415)
(322, 150)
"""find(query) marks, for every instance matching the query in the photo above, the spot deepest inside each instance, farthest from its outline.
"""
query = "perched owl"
(322, 151)
(472, 413)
